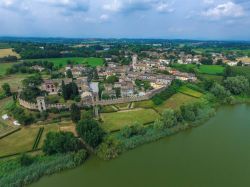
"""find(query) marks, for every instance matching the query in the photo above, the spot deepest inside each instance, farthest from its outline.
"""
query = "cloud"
(229, 9)
(15, 5)
(68, 7)
(104, 17)
(129, 6)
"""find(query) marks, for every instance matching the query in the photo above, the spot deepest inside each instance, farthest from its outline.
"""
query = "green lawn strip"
(38, 137)
(8, 131)
(190, 92)
(116, 121)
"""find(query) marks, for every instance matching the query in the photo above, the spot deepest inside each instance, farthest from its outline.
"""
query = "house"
(127, 89)
(38, 68)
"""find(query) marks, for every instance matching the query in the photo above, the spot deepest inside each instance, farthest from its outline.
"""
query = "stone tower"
(41, 104)
(134, 60)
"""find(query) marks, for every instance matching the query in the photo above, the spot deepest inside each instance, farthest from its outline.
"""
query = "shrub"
(26, 160)
(90, 131)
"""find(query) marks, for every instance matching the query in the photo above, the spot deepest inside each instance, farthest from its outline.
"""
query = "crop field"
(190, 92)
(175, 102)
(76, 60)
(8, 52)
(118, 120)
(244, 60)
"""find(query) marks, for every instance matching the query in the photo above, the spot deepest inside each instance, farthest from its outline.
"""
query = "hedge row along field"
(38, 137)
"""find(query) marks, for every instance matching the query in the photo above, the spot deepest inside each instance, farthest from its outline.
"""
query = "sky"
(168, 19)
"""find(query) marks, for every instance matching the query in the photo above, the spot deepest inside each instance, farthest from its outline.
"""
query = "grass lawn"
(175, 102)
(211, 69)
(123, 106)
(77, 60)
(144, 104)
(19, 141)
(4, 67)
(190, 92)
(216, 78)
(118, 120)
(14, 81)
(8, 52)
(203, 69)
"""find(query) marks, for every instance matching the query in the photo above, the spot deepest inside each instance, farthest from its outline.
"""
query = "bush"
(90, 132)
(60, 142)
(109, 149)
(26, 160)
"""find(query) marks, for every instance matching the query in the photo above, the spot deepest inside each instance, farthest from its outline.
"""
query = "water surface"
(216, 154)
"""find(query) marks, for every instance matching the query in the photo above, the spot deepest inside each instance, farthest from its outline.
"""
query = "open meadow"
(13, 80)
(76, 60)
(175, 102)
(117, 120)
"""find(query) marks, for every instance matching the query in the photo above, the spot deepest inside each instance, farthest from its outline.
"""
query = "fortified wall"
(41, 104)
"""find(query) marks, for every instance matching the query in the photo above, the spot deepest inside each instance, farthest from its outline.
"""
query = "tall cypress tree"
(75, 113)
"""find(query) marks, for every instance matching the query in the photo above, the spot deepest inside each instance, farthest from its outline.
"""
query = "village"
(136, 82)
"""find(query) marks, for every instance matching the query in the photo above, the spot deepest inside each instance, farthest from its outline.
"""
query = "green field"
(211, 69)
(118, 120)
(203, 69)
(4, 67)
(190, 92)
(93, 62)
(13, 80)
(175, 102)
(216, 78)
(144, 104)
(20, 141)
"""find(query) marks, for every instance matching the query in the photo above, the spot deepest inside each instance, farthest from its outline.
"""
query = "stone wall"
(149, 95)
(29, 105)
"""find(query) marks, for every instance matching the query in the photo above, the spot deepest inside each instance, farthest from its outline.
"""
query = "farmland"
(8, 52)
(117, 120)
(60, 62)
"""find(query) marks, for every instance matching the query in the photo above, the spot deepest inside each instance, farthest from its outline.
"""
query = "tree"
(237, 85)
(60, 142)
(112, 79)
(219, 91)
(168, 117)
(69, 73)
(75, 113)
(228, 72)
(6, 89)
(90, 131)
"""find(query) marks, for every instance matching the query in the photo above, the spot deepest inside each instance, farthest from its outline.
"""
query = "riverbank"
(13, 173)
(214, 154)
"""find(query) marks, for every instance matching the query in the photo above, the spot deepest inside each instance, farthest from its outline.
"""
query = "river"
(216, 154)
